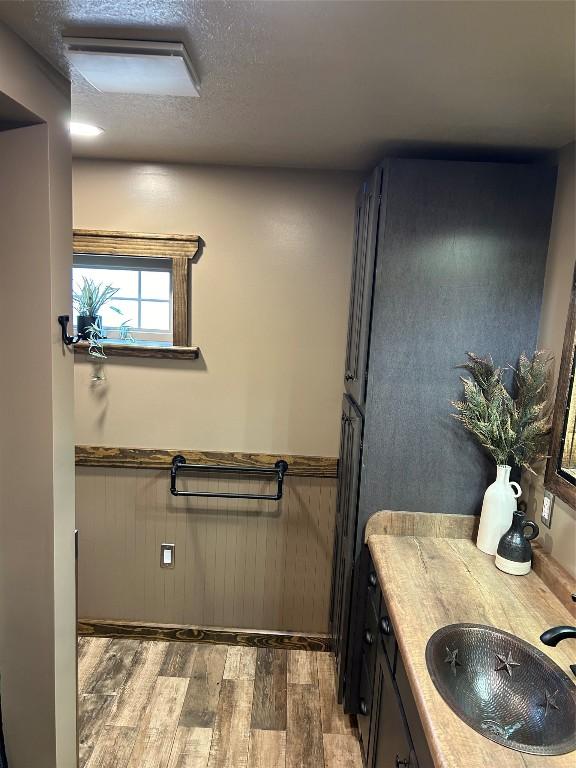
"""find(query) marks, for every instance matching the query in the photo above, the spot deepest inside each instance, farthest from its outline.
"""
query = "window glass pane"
(126, 280)
(144, 295)
(129, 311)
(155, 285)
(156, 314)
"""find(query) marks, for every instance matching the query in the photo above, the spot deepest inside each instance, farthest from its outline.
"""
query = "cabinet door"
(391, 746)
(364, 257)
(419, 741)
(365, 711)
(345, 533)
(337, 563)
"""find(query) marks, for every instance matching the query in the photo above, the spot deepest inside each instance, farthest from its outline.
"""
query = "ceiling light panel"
(85, 129)
(133, 66)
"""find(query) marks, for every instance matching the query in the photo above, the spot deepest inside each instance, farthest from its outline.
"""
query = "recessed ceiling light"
(133, 66)
(85, 129)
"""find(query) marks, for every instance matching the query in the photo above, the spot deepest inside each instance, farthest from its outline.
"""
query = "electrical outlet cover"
(547, 507)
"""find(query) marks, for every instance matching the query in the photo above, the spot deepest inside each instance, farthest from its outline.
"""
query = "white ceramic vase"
(497, 510)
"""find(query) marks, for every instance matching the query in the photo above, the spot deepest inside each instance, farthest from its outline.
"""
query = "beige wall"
(269, 312)
(560, 540)
(37, 572)
(269, 309)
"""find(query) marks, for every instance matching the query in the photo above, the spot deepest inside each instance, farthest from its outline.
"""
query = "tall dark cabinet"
(449, 257)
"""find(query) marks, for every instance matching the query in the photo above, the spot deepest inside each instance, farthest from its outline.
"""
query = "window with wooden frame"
(149, 314)
(560, 476)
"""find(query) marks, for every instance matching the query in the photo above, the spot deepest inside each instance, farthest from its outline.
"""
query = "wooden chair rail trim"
(160, 458)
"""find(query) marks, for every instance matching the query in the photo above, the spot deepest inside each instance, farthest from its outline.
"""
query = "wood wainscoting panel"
(259, 565)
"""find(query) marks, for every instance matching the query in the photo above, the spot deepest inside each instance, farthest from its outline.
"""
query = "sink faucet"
(553, 636)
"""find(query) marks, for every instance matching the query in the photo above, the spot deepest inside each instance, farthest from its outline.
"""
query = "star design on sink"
(550, 702)
(452, 659)
(506, 662)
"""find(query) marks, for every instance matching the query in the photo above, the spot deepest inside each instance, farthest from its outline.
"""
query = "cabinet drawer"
(412, 716)
(365, 710)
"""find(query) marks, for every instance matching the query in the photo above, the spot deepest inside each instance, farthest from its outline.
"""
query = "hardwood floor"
(154, 704)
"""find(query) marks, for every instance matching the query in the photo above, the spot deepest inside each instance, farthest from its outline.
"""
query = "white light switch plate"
(547, 507)
(167, 553)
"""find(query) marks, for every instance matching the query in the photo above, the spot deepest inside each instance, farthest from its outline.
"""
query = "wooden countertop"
(429, 582)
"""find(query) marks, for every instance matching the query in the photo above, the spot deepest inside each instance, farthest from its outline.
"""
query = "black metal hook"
(63, 320)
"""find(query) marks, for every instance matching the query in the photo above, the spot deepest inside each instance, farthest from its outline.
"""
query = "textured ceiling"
(324, 84)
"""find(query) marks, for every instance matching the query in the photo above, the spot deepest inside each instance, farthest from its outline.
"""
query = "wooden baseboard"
(293, 641)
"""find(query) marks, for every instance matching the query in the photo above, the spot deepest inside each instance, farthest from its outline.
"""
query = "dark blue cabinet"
(449, 257)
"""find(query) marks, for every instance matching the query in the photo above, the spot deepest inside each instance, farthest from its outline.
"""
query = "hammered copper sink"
(504, 688)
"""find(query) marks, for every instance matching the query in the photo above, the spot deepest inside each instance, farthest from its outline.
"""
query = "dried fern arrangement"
(511, 428)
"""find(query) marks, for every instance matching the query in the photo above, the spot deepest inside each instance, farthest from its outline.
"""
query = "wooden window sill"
(134, 350)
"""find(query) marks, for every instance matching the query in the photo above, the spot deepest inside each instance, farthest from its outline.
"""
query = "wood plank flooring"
(151, 704)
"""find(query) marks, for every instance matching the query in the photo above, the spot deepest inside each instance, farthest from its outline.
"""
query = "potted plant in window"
(514, 428)
(88, 302)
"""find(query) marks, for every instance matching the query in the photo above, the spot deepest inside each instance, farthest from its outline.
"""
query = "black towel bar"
(278, 470)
